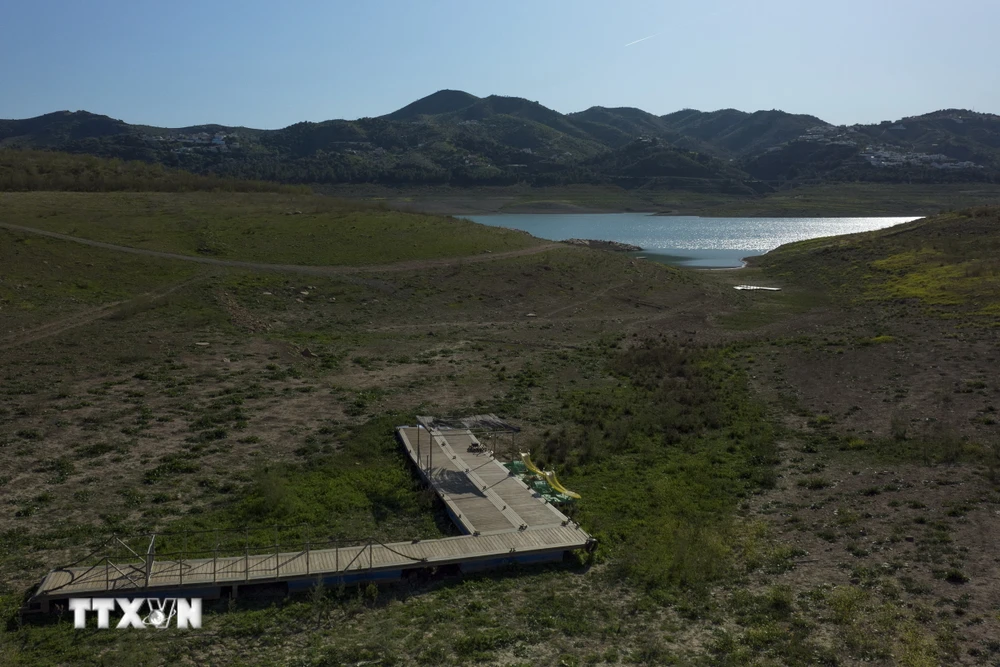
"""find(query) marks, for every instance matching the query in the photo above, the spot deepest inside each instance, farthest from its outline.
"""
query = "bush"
(662, 458)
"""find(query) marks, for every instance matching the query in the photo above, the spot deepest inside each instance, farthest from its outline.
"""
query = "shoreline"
(580, 210)
(600, 244)
(822, 200)
(718, 268)
(661, 214)
(494, 209)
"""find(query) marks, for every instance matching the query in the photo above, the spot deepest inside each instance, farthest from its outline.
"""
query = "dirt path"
(594, 297)
(88, 316)
(413, 265)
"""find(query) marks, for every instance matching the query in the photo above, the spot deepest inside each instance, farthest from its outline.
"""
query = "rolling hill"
(453, 137)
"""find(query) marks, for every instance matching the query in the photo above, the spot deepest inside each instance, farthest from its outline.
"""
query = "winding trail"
(84, 317)
(411, 265)
(90, 315)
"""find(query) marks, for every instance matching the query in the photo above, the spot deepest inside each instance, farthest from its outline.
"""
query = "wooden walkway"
(480, 493)
(504, 521)
(371, 558)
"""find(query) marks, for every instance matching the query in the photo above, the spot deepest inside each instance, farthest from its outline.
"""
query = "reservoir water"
(686, 240)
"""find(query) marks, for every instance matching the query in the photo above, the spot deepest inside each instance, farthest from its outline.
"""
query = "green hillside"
(454, 138)
(28, 170)
(946, 265)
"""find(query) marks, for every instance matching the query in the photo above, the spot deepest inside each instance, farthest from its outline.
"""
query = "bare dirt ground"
(904, 554)
(503, 205)
(499, 200)
(926, 375)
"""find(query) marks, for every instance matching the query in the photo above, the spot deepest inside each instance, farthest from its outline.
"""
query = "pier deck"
(480, 493)
(504, 521)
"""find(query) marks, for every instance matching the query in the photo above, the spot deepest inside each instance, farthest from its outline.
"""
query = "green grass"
(759, 309)
(525, 616)
(662, 459)
(662, 464)
(271, 228)
(937, 279)
(128, 426)
(363, 489)
(44, 276)
(664, 446)
(949, 264)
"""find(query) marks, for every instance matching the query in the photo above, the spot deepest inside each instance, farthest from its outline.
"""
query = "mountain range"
(453, 137)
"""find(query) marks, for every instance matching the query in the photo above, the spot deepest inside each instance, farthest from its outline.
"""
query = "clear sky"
(268, 64)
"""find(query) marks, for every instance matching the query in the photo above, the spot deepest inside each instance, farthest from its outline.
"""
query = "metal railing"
(126, 568)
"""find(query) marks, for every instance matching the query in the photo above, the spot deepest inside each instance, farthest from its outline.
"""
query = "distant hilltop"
(454, 138)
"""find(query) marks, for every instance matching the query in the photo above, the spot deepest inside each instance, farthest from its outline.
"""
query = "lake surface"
(686, 240)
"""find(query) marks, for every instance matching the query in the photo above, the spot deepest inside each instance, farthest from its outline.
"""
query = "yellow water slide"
(526, 459)
(549, 475)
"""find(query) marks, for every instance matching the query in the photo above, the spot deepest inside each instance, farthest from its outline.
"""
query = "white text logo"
(138, 612)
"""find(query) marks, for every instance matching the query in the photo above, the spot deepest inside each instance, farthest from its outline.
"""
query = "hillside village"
(220, 142)
(879, 155)
(882, 156)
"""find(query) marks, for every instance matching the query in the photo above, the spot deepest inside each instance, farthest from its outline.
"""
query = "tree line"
(28, 170)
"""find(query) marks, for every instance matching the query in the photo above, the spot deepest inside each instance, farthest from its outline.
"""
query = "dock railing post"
(246, 556)
(150, 555)
(336, 551)
(277, 546)
(371, 547)
(215, 557)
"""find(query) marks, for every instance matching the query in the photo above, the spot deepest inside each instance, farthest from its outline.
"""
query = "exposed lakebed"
(686, 240)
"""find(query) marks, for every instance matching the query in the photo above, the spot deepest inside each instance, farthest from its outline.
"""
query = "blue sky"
(270, 64)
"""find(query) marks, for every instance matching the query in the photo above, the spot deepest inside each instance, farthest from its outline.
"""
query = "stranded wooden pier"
(503, 521)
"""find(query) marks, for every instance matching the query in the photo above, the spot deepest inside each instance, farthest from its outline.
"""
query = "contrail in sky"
(641, 40)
